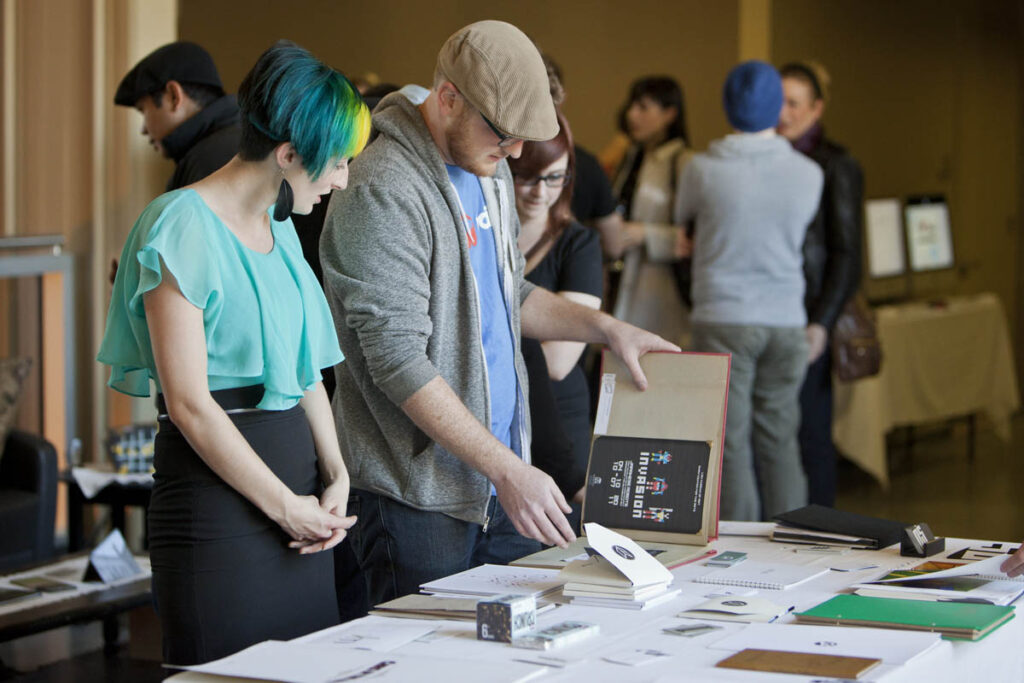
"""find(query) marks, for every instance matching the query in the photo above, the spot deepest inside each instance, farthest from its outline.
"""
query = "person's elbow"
(557, 374)
(559, 368)
(187, 410)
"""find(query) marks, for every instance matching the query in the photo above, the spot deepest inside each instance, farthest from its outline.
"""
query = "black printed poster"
(647, 484)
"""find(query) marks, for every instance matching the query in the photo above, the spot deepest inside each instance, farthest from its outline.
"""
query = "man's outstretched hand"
(630, 343)
(532, 501)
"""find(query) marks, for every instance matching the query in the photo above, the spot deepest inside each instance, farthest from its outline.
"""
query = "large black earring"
(285, 201)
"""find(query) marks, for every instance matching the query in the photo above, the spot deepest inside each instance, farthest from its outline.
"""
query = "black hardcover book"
(647, 484)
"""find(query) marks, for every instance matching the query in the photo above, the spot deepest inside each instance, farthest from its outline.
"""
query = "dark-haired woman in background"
(831, 263)
(564, 257)
(655, 119)
(214, 302)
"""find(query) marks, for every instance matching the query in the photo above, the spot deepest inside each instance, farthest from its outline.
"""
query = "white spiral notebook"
(765, 575)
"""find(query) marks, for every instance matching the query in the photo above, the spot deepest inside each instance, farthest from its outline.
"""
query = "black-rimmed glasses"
(503, 140)
(552, 180)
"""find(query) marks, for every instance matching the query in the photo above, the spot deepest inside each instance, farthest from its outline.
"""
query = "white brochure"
(493, 579)
(380, 634)
(638, 565)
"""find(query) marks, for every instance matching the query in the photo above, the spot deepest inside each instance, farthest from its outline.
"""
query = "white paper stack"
(623, 575)
(491, 579)
(596, 582)
(295, 662)
(763, 575)
(637, 603)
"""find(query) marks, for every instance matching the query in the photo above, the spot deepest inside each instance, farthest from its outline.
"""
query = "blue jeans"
(400, 548)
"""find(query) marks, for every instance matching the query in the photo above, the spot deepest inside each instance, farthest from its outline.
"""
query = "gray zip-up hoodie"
(401, 287)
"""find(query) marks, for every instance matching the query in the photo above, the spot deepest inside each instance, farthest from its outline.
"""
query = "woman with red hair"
(563, 257)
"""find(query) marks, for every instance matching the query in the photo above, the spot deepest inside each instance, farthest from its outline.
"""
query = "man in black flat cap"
(185, 113)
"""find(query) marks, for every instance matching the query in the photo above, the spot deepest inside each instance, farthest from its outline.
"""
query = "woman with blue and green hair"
(214, 302)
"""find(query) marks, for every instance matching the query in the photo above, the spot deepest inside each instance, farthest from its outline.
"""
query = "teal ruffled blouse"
(266, 319)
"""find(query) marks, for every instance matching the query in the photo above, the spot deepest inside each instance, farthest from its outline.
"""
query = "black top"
(832, 246)
(308, 227)
(626, 176)
(203, 143)
(573, 264)
(551, 448)
(591, 193)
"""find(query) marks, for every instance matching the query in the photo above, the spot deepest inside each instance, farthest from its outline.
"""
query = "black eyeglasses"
(503, 140)
(553, 180)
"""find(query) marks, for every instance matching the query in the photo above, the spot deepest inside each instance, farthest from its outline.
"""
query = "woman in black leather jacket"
(831, 262)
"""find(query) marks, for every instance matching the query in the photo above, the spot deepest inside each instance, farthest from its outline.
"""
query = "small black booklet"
(10, 594)
(647, 484)
(875, 532)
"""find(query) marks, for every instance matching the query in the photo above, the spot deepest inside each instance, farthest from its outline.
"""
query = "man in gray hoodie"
(426, 284)
(753, 196)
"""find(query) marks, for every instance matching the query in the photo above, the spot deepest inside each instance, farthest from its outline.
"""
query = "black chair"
(28, 500)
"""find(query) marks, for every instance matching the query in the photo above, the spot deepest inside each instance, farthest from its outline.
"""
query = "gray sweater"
(753, 198)
(401, 287)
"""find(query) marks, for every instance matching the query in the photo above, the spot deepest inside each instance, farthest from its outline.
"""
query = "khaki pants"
(761, 472)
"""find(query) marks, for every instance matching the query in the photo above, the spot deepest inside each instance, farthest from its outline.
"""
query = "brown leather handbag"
(856, 351)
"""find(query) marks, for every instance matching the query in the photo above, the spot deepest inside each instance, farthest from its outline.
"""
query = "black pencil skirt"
(223, 575)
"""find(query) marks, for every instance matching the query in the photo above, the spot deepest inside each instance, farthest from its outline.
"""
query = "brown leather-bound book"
(805, 663)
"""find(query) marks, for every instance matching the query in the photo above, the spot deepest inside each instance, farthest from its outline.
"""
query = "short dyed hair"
(536, 156)
(291, 96)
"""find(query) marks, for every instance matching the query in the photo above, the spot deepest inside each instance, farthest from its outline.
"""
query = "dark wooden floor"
(93, 667)
(935, 483)
(938, 484)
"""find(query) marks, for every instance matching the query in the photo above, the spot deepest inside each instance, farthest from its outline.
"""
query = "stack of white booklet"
(622, 575)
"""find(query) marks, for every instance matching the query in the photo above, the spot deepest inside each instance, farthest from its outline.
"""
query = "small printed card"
(112, 560)
(636, 656)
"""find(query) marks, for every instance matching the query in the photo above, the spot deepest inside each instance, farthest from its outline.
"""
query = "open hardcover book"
(656, 457)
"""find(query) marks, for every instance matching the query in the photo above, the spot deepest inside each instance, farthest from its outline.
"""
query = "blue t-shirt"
(495, 328)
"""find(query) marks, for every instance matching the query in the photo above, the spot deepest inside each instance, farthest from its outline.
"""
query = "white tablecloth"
(997, 658)
(91, 481)
(938, 362)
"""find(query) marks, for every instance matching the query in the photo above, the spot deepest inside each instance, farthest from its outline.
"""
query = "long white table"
(997, 658)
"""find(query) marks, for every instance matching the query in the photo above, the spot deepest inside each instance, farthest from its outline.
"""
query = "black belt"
(231, 400)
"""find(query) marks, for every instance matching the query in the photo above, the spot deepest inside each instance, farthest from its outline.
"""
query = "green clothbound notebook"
(962, 620)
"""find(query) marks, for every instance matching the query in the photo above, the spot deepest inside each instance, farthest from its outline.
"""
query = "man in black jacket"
(831, 264)
(186, 115)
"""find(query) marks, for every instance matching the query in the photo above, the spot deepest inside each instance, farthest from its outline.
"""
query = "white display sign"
(886, 256)
(928, 236)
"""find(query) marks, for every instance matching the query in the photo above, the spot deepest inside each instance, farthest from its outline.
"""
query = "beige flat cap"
(499, 70)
